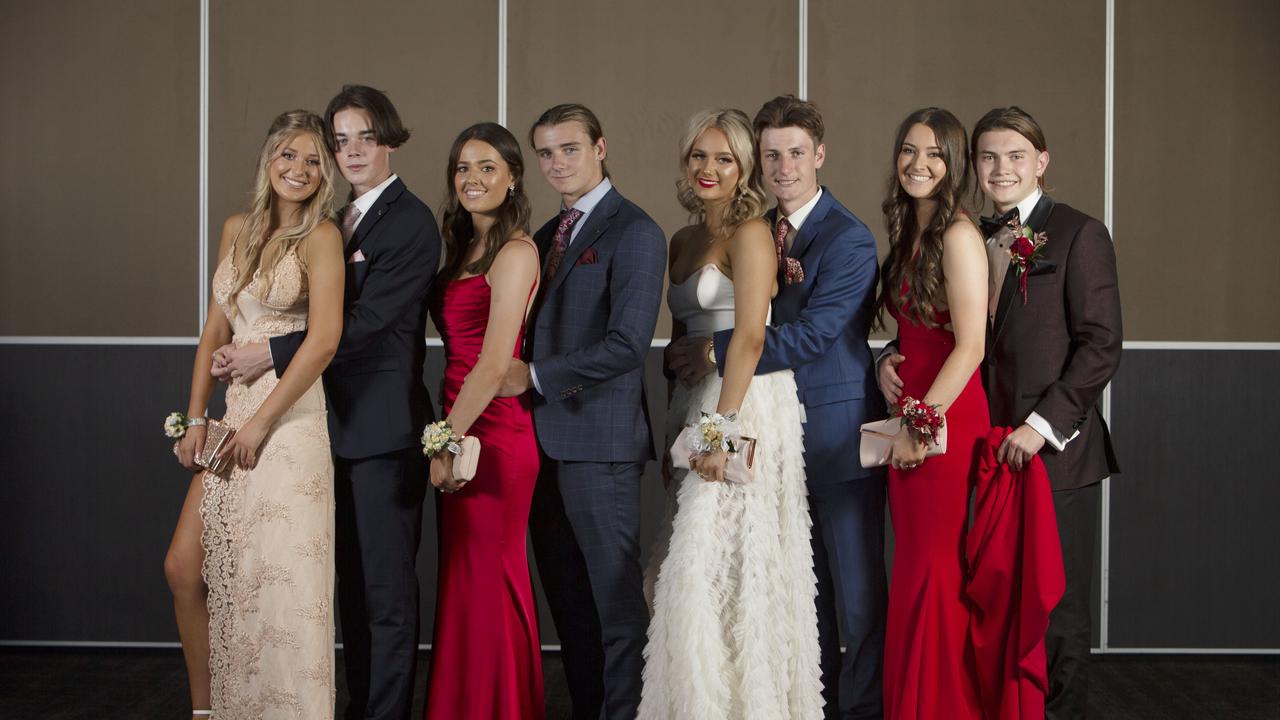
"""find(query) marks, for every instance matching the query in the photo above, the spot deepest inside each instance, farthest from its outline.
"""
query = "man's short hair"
(571, 112)
(790, 111)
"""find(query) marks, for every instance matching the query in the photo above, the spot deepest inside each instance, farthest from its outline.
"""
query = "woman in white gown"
(734, 630)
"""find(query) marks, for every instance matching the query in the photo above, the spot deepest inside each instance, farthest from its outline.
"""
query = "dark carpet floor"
(69, 684)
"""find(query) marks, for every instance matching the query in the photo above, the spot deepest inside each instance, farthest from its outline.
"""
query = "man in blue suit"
(822, 316)
(603, 266)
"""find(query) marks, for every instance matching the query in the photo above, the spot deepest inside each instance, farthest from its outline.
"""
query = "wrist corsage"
(924, 419)
(175, 426)
(718, 432)
(438, 437)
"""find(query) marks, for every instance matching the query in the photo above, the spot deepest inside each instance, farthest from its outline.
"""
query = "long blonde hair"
(254, 246)
(748, 195)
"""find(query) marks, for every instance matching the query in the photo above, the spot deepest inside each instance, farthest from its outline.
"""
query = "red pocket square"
(588, 257)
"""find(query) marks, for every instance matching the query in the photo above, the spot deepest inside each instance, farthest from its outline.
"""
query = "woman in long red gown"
(486, 661)
(935, 287)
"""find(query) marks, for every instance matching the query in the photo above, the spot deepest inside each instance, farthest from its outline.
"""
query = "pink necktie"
(350, 218)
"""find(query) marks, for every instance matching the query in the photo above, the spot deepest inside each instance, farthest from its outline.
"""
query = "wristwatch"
(711, 353)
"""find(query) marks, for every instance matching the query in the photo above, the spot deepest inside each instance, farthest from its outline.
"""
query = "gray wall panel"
(1193, 527)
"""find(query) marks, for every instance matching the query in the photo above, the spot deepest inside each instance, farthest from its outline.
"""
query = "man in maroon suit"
(1053, 344)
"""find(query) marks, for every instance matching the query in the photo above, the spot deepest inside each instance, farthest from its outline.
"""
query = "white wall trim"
(1185, 651)
(1108, 216)
(802, 86)
(90, 340)
(202, 203)
(502, 62)
(1187, 345)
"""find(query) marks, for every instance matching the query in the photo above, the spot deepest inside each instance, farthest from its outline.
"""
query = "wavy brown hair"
(921, 267)
(748, 196)
(260, 243)
(455, 221)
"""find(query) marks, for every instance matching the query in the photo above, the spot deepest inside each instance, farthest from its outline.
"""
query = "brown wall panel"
(645, 68)
(870, 64)
(100, 138)
(1195, 153)
(438, 62)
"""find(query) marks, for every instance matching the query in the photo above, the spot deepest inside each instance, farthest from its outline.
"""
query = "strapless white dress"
(734, 632)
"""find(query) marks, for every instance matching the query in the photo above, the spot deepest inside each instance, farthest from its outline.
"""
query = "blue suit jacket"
(820, 328)
(377, 401)
(591, 332)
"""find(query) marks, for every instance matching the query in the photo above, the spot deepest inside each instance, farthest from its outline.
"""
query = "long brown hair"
(922, 271)
(257, 244)
(455, 222)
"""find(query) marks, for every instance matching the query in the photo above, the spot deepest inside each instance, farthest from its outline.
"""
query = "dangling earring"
(511, 191)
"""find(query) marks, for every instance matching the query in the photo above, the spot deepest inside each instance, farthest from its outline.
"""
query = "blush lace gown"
(734, 633)
(268, 532)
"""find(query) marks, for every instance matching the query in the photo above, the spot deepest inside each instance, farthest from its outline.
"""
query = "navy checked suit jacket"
(377, 400)
(820, 328)
(591, 332)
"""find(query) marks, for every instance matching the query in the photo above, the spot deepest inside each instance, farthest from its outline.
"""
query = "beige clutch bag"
(738, 471)
(877, 442)
(464, 463)
(215, 439)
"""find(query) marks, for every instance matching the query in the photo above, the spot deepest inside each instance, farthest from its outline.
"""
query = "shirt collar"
(588, 202)
(797, 218)
(1028, 204)
(366, 201)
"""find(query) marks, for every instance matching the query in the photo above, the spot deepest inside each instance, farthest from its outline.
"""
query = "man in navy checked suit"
(603, 266)
(822, 315)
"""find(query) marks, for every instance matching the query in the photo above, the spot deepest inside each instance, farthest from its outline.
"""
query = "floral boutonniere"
(792, 271)
(1024, 252)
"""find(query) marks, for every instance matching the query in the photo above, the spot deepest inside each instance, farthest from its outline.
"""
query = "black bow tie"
(990, 225)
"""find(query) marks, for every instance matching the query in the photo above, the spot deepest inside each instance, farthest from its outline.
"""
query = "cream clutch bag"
(464, 463)
(215, 439)
(877, 442)
(737, 471)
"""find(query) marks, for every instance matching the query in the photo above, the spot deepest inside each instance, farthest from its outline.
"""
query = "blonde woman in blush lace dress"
(267, 519)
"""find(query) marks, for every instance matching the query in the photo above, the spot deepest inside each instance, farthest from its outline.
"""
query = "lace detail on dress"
(268, 530)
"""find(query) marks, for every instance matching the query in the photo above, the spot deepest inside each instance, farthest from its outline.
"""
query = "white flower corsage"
(438, 437)
(717, 432)
(175, 426)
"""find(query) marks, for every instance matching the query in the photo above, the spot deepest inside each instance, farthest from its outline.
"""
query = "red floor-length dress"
(928, 671)
(486, 660)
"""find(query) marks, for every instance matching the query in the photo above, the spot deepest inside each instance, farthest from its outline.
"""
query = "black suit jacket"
(377, 400)
(1054, 354)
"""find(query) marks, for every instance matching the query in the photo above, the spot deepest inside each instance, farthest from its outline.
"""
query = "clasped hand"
(908, 450)
(245, 363)
(687, 358)
(710, 466)
(442, 473)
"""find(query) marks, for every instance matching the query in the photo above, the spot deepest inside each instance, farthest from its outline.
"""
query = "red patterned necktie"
(780, 240)
(350, 218)
(560, 241)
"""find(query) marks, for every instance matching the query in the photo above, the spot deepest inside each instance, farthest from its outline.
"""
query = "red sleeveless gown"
(928, 669)
(486, 661)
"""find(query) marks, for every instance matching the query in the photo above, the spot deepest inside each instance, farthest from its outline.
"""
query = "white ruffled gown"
(734, 632)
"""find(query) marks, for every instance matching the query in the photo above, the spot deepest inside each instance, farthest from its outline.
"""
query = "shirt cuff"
(533, 375)
(1051, 436)
(889, 348)
(271, 357)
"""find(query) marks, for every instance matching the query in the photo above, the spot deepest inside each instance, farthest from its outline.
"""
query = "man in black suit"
(378, 404)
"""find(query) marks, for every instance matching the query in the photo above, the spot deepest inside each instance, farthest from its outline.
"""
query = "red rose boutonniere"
(792, 271)
(1025, 250)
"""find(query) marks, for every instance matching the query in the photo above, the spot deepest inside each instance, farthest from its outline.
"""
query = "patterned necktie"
(560, 241)
(350, 218)
(991, 224)
(780, 241)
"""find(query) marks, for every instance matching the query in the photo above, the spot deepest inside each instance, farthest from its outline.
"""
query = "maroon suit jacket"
(1056, 353)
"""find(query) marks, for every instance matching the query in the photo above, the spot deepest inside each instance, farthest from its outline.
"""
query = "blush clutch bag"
(876, 442)
(215, 438)
(464, 463)
(737, 471)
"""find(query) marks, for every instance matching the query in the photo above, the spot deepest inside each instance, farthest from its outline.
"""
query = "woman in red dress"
(486, 662)
(935, 287)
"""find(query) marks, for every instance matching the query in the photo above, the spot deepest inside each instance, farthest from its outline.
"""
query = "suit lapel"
(596, 223)
(1038, 219)
(376, 212)
(809, 230)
